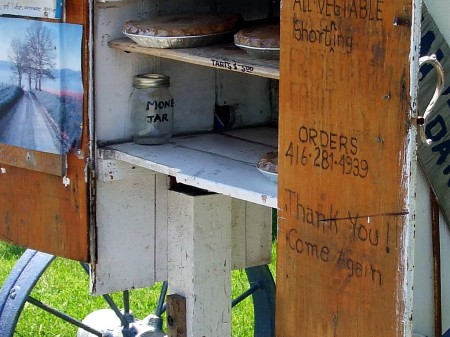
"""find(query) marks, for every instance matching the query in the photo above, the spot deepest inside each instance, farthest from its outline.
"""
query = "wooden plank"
(225, 57)
(33, 160)
(176, 316)
(43, 211)
(125, 218)
(208, 161)
(258, 235)
(251, 234)
(199, 259)
(161, 243)
(347, 158)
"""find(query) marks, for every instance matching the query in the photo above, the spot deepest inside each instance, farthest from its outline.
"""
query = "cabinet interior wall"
(197, 90)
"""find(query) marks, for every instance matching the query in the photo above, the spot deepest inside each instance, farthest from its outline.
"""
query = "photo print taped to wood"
(41, 89)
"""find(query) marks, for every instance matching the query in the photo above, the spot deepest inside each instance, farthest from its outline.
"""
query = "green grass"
(65, 286)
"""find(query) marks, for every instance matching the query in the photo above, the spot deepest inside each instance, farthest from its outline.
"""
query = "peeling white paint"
(409, 180)
(3, 170)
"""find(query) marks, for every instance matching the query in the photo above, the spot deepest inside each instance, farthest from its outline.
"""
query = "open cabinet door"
(348, 167)
(44, 196)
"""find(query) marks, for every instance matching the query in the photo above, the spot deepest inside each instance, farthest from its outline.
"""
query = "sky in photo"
(67, 39)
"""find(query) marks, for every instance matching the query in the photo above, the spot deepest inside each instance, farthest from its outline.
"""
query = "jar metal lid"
(151, 81)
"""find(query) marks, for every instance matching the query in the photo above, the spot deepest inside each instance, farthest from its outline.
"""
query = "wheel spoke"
(116, 310)
(263, 301)
(17, 288)
(160, 307)
(126, 302)
(85, 267)
(63, 316)
(246, 294)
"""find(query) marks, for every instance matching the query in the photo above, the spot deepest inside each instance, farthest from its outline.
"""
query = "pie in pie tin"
(182, 31)
(268, 166)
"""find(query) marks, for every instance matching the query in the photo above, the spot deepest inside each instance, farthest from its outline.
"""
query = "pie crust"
(269, 162)
(260, 36)
(184, 25)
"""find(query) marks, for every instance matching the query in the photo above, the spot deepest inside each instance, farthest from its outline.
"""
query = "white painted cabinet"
(195, 208)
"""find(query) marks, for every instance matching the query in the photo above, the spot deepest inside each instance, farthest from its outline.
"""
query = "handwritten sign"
(327, 150)
(231, 65)
(343, 219)
(327, 32)
(435, 159)
(50, 9)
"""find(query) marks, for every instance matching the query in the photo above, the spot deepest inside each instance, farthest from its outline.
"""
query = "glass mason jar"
(151, 109)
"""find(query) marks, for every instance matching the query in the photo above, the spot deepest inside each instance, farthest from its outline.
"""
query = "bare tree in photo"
(41, 54)
(34, 57)
(19, 60)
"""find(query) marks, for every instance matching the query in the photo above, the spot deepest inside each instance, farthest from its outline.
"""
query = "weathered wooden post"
(347, 156)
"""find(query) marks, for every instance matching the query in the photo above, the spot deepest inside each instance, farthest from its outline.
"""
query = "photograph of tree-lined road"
(41, 90)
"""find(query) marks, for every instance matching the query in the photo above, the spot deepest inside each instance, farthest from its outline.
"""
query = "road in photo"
(27, 124)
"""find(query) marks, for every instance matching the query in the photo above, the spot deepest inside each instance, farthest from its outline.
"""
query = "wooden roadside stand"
(357, 254)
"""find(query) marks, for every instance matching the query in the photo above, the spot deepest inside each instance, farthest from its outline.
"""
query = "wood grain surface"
(344, 104)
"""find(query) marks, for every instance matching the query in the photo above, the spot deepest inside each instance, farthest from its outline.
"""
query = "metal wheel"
(16, 290)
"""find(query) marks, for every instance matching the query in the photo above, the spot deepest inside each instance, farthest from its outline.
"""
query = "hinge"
(92, 218)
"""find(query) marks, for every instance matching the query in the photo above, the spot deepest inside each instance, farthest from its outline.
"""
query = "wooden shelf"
(224, 163)
(224, 56)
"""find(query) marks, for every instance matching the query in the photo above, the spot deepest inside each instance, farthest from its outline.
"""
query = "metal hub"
(107, 322)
